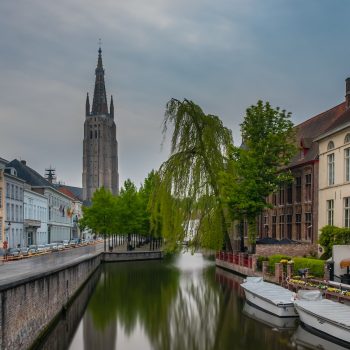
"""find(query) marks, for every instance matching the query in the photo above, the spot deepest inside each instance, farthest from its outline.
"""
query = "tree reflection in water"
(173, 306)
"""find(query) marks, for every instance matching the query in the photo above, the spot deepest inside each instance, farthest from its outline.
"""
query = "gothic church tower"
(100, 146)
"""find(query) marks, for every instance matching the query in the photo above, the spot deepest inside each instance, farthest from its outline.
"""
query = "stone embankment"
(30, 304)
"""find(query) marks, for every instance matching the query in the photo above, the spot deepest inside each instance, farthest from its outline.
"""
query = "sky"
(224, 55)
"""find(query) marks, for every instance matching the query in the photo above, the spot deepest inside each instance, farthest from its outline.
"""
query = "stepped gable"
(310, 129)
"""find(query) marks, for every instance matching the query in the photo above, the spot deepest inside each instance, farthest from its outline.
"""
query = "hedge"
(315, 266)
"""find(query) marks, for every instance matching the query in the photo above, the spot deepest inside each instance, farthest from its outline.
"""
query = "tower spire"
(111, 108)
(87, 106)
(99, 103)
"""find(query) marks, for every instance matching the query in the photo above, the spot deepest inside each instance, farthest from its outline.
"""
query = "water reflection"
(182, 304)
(303, 339)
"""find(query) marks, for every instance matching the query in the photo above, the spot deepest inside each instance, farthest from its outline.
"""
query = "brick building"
(295, 206)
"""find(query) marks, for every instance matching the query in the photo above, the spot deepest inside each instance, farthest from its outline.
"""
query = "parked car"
(24, 251)
(40, 248)
(32, 249)
(47, 248)
(60, 246)
(66, 243)
(13, 252)
(53, 246)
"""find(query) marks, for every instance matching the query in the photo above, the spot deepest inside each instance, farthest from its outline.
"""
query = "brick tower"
(100, 146)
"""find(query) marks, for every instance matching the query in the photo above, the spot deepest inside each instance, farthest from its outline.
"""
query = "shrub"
(331, 235)
(315, 266)
(273, 259)
(260, 260)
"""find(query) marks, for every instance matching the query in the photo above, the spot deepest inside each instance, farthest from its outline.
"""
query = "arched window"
(347, 138)
(330, 145)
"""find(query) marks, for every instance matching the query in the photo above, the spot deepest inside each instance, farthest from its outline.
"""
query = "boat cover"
(309, 295)
(272, 292)
(328, 309)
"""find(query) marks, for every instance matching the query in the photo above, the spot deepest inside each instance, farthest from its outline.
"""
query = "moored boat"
(280, 323)
(269, 297)
(326, 318)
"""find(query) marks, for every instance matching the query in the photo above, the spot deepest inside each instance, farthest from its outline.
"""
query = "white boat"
(326, 318)
(269, 297)
(305, 339)
(281, 323)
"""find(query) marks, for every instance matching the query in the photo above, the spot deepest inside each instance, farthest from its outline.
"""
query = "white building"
(13, 208)
(35, 217)
(59, 225)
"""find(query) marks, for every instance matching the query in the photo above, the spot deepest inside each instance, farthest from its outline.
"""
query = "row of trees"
(128, 213)
(206, 183)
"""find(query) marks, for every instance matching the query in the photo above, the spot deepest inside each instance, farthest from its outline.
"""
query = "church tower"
(100, 146)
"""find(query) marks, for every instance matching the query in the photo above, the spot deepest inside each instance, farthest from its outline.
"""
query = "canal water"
(181, 303)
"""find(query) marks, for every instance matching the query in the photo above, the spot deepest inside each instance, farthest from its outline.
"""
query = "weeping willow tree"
(187, 194)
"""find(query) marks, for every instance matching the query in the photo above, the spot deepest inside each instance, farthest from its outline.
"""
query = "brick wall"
(27, 309)
(286, 249)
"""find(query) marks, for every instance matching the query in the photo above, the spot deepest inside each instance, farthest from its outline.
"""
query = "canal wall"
(29, 306)
(131, 256)
(32, 305)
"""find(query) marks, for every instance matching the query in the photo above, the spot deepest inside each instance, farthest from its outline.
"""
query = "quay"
(34, 292)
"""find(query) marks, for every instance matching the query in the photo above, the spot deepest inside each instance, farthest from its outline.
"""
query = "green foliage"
(124, 214)
(254, 170)
(332, 235)
(315, 266)
(260, 260)
(273, 259)
(187, 192)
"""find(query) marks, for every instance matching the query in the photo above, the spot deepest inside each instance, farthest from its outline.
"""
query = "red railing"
(236, 259)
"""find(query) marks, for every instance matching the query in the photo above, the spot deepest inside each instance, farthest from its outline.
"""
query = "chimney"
(23, 162)
(347, 93)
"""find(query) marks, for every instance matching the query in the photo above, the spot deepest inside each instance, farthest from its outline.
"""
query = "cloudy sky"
(223, 54)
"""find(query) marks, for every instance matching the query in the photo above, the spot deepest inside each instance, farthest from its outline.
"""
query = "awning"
(345, 263)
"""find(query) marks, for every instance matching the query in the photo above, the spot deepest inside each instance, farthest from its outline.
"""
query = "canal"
(181, 303)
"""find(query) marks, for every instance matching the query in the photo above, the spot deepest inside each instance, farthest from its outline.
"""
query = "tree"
(256, 169)
(100, 217)
(187, 191)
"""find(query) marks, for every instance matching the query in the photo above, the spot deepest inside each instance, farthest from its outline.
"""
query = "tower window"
(95, 134)
(90, 134)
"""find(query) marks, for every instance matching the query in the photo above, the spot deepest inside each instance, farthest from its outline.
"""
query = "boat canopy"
(275, 294)
(327, 309)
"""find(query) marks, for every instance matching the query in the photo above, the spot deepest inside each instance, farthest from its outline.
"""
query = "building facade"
(35, 217)
(59, 225)
(100, 146)
(13, 208)
(334, 179)
(295, 206)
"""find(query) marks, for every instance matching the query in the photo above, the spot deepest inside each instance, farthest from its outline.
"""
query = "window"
(308, 226)
(90, 134)
(347, 163)
(12, 191)
(0, 199)
(347, 138)
(330, 145)
(330, 163)
(16, 192)
(274, 199)
(330, 212)
(289, 226)
(298, 226)
(347, 212)
(281, 226)
(274, 219)
(7, 211)
(289, 194)
(298, 189)
(308, 188)
(8, 190)
(281, 195)
(12, 212)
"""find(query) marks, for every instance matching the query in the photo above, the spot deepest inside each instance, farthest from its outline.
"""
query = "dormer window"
(330, 145)
(347, 138)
